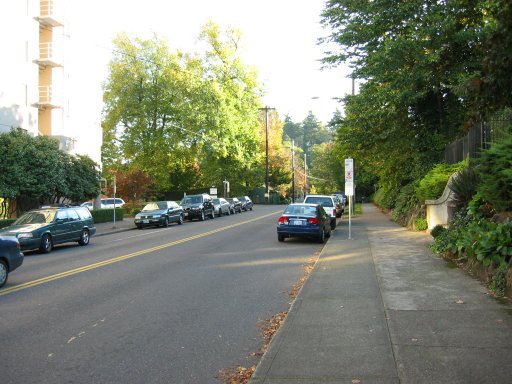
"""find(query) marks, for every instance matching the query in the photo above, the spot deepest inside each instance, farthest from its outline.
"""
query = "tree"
(186, 120)
(34, 171)
(417, 59)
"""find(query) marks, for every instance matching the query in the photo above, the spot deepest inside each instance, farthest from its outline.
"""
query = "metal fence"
(479, 137)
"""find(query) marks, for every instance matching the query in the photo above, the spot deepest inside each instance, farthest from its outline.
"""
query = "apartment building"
(47, 85)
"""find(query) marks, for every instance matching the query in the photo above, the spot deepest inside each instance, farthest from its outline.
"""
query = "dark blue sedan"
(11, 257)
(304, 220)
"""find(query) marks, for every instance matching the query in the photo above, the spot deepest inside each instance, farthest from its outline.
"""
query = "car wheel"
(280, 238)
(139, 226)
(202, 216)
(321, 238)
(46, 244)
(166, 222)
(4, 273)
(220, 212)
(180, 220)
(333, 224)
(328, 234)
(84, 237)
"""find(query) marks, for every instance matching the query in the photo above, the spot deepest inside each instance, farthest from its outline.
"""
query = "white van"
(110, 202)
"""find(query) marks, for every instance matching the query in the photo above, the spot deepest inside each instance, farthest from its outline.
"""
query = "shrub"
(434, 182)
(420, 224)
(6, 222)
(107, 215)
(499, 280)
(464, 186)
(495, 170)
(405, 204)
(437, 231)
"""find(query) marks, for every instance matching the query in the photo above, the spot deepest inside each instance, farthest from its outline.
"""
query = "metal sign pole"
(349, 191)
(350, 217)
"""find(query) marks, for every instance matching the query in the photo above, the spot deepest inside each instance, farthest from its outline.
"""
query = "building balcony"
(48, 14)
(47, 56)
(46, 99)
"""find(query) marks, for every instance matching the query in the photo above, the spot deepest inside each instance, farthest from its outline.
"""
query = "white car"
(105, 203)
(110, 202)
(327, 202)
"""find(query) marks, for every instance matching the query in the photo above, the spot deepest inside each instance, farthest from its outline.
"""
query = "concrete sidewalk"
(381, 308)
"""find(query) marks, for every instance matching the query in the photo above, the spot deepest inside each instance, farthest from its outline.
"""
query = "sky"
(279, 38)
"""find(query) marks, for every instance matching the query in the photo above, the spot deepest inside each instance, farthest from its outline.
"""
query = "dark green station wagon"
(45, 227)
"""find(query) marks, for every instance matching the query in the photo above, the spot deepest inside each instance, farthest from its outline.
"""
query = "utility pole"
(293, 171)
(305, 176)
(266, 109)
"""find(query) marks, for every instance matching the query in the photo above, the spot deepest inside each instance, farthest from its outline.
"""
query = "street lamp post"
(266, 109)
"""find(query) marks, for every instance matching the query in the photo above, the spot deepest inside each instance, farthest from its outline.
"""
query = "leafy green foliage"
(420, 224)
(499, 279)
(405, 203)
(107, 215)
(464, 186)
(495, 170)
(426, 69)
(434, 182)
(186, 120)
(437, 231)
(472, 237)
(34, 171)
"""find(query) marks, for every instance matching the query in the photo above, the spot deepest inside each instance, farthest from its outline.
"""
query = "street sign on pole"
(349, 177)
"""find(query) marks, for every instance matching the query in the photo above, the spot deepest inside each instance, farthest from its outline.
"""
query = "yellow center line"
(117, 259)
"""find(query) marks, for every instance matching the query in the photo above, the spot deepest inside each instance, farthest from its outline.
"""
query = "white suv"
(109, 203)
(327, 202)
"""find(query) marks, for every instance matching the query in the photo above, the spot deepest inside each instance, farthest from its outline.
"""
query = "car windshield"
(216, 201)
(323, 201)
(306, 210)
(155, 206)
(191, 200)
(39, 217)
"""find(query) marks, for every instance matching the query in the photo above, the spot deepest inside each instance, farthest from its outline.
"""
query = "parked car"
(304, 220)
(159, 213)
(110, 203)
(221, 206)
(43, 228)
(88, 205)
(246, 203)
(11, 257)
(327, 202)
(105, 203)
(236, 205)
(198, 206)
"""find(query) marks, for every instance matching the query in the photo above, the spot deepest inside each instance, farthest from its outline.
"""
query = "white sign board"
(349, 177)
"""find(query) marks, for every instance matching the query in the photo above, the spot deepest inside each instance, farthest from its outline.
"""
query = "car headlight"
(25, 235)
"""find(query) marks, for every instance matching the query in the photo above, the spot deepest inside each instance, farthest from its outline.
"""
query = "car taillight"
(334, 212)
(313, 220)
(283, 220)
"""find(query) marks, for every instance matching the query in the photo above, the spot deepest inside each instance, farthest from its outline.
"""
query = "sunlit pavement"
(381, 308)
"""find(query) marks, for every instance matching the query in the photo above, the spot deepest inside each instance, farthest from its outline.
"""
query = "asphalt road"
(160, 305)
